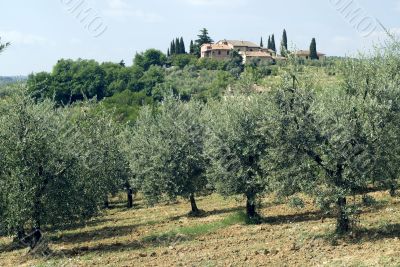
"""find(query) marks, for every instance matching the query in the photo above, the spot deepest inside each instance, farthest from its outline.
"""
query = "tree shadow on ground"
(165, 240)
(203, 214)
(95, 234)
(389, 231)
(12, 246)
(295, 218)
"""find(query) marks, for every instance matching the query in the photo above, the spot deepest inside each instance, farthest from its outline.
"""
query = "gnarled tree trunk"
(193, 204)
(251, 205)
(393, 189)
(343, 221)
(130, 197)
(106, 202)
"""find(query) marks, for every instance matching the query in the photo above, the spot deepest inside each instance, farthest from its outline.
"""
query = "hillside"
(11, 79)
(165, 236)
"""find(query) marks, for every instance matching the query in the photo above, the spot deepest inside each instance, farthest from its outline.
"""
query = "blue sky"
(44, 31)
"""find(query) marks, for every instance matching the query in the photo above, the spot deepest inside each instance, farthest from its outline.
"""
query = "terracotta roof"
(215, 47)
(256, 54)
(240, 43)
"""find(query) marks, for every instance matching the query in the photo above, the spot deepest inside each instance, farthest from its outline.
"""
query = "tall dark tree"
(177, 46)
(192, 48)
(273, 45)
(284, 44)
(172, 50)
(168, 53)
(269, 42)
(182, 46)
(261, 42)
(313, 50)
(203, 38)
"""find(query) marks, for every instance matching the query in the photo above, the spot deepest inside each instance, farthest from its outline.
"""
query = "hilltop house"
(248, 50)
(306, 54)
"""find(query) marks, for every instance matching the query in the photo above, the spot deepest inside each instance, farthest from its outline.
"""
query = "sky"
(44, 31)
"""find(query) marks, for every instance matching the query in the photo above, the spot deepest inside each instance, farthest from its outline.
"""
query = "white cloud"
(215, 2)
(17, 37)
(119, 9)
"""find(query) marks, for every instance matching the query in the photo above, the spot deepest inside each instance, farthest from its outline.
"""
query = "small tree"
(273, 44)
(203, 38)
(330, 140)
(151, 57)
(192, 47)
(261, 42)
(269, 42)
(166, 152)
(182, 46)
(173, 48)
(178, 46)
(51, 172)
(313, 50)
(236, 148)
(284, 44)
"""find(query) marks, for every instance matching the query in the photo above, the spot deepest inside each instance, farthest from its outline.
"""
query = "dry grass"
(165, 236)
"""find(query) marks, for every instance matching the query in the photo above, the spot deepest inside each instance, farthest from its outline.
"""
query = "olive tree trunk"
(193, 204)
(130, 197)
(251, 205)
(343, 221)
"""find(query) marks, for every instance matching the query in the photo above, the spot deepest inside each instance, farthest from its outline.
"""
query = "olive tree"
(54, 164)
(100, 150)
(40, 175)
(333, 137)
(166, 151)
(236, 146)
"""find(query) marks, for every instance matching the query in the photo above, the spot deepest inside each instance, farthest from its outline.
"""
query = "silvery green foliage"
(166, 150)
(39, 178)
(100, 149)
(332, 143)
(54, 165)
(236, 146)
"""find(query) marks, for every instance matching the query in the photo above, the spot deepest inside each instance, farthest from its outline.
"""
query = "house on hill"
(306, 54)
(223, 48)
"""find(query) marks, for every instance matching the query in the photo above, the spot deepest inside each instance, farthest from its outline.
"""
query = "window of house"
(219, 52)
(227, 52)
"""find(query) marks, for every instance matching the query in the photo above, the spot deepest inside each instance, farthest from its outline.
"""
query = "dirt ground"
(165, 236)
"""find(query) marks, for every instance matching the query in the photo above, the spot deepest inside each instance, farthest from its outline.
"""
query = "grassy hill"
(165, 236)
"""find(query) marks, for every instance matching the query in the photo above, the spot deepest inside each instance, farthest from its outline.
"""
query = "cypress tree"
(269, 42)
(284, 46)
(191, 49)
(177, 46)
(273, 46)
(261, 42)
(168, 53)
(284, 39)
(172, 50)
(313, 49)
(182, 46)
